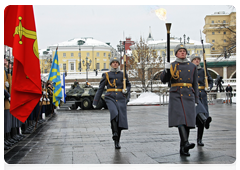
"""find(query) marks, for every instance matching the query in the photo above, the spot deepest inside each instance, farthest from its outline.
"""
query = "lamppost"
(88, 64)
(80, 42)
(121, 48)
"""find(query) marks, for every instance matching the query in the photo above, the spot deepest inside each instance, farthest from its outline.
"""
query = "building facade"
(220, 30)
(78, 54)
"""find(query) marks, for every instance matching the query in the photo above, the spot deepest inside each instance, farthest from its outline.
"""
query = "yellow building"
(75, 54)
(220, 30)
(45, 59)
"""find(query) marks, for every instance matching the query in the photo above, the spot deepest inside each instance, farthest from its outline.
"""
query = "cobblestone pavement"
(84, 137)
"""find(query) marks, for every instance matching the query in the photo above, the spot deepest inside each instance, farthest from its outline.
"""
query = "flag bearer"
(203, 119)
(116, 98)
(183, 96)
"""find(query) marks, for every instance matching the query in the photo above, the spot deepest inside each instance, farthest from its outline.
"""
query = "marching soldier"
(115, 99)
(203, 119)
(183, 96)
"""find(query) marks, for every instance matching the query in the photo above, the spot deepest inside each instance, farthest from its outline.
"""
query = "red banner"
(20, 34)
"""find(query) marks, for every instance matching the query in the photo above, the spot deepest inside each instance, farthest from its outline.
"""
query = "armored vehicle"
(83, 96)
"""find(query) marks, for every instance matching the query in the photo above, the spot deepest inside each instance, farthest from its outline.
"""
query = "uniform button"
(180, 78)
(198, 76)
(116, 79)
(180, 70)
(189, 95)
(181, 94)
(116, 100)
(180, 87)
(188, 86)
(198, 84)
(200, 91)
(188, 78)
(178, 64)
(188, 63)
(116, 93)
(188, 70)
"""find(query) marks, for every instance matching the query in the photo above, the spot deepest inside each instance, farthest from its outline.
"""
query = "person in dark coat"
(203, 119)
(183, 96)
(229, 93)
(115, 98)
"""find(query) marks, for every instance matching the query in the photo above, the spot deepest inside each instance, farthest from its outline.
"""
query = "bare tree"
(229, 45)
(142, 64)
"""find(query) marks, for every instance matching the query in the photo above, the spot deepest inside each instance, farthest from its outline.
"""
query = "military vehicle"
(83, 96)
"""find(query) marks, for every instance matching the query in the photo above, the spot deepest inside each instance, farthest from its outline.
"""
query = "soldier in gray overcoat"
(183, 96)
(115, 98)
(203, 119)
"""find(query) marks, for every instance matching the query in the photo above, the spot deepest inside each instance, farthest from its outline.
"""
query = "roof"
(87, 41)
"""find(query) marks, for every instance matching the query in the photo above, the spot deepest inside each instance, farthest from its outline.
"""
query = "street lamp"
(88, 64)
(121, 48)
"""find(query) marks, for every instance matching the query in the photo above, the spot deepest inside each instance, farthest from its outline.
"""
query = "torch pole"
(168, 26)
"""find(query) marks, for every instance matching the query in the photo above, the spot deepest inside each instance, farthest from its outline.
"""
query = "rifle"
(168, 26)
(204, 63)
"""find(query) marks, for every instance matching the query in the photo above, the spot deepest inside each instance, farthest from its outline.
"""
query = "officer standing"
(229, 93)
(115, 98)
(183, 96)
(203, 119)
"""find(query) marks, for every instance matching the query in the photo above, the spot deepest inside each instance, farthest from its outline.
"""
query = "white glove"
(40, 99)
(48, 100)
(6, 84)
(196, 104)
(44, 99)
(167, 65)
(124, 91)
(44, 92)
(94, 106)
(207, 89)
(47, 93)
(9, 98)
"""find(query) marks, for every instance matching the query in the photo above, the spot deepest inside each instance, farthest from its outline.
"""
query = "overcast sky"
(112, 23)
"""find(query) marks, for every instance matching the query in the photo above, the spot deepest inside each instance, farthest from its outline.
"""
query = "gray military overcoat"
(202, 106)
(181, 108)
(116, 101)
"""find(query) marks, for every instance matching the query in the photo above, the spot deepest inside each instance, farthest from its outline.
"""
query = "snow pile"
(235, 99)
(145, 99)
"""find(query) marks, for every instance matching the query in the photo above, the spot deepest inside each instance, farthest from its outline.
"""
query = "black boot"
(199, 135)
(114, 129)
(117, 142)
(204, 120)
(184, 144)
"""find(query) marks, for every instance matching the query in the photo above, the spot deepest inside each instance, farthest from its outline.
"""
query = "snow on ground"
(145, 98)
(149, 98)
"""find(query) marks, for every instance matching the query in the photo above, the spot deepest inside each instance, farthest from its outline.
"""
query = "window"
(98, 66)
(212, 22)
(87, 54)
(171, 53)
(64, 66)
(79, 54)
(224, 33)
(213, 41)
(201, 51)
(72, 66)
(72, 55)
(224, 40)
(213, 33)
(224, 21)
(97, 54)
(64, 54)
(213, 48)
(104, 54)
(105, 66)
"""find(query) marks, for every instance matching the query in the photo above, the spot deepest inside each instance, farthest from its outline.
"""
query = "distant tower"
(150, 38)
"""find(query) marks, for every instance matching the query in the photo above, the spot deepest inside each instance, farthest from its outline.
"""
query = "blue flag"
(54, 76)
